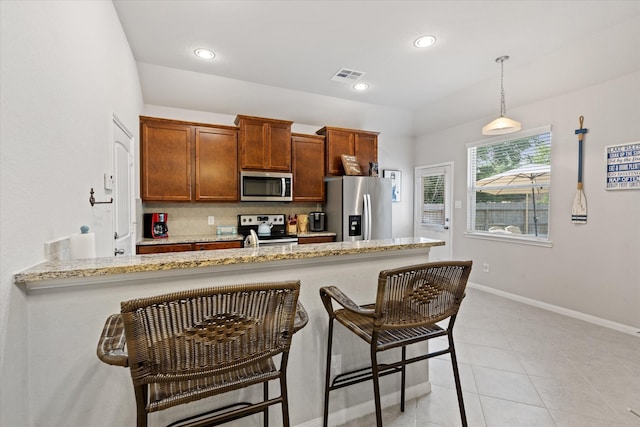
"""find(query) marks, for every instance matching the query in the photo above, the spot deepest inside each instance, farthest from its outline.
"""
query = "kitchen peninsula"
(68, 303)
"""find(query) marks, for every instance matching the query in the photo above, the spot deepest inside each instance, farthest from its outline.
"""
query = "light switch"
(108, 181)
(458, 204)
(211, 220)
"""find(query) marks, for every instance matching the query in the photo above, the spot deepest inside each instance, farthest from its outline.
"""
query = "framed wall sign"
(623, 166)
(396, 183)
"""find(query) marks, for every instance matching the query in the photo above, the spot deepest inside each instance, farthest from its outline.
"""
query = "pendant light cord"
(503, 108)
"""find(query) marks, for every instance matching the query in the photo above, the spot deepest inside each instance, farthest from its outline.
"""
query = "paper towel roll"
(82, 245)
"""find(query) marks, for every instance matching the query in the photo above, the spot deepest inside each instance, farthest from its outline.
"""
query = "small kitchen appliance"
(316, 221)
(155, 225)
(270, 229)
(266, 186)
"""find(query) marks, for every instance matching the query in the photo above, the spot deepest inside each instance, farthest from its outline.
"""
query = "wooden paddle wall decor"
(579, 208)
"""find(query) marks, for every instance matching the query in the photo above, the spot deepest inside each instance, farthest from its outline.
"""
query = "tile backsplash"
(192, 219)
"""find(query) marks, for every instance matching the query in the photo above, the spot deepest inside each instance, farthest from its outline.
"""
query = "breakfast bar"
(68, 303)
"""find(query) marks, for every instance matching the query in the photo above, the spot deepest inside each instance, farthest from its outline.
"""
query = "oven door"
(265, 187)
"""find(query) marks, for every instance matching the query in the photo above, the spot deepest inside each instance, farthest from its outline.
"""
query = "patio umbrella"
(522, 180)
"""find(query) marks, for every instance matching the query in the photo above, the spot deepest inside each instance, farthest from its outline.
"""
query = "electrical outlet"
(485, 267)
(211, 220)
(336, 364)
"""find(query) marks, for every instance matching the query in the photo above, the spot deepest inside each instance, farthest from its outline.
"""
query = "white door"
(432, 214)
(123, 217)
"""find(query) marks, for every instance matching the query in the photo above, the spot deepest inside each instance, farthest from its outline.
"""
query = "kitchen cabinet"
(307, 166)
(186, 247)
(316, 239)
(165, 160)
(265, 144)
(216, 164)
(160, 249)
(360, 143)
(183, 161)
(208, 246)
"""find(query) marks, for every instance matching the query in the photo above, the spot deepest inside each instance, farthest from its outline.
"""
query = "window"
(433, 212)
(508, 186)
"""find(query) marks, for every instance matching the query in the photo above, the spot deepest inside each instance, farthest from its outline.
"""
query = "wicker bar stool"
(409, 303)
(185, 346)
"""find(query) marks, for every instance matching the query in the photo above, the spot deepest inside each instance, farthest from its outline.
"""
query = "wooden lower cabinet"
(316, 239)
(160, 249)
(235, 244)
(186, 247)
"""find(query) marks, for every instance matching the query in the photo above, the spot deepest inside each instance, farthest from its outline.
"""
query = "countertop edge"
(99, 267)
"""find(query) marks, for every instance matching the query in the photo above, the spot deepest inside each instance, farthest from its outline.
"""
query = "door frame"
(132, 213)
(449, 223)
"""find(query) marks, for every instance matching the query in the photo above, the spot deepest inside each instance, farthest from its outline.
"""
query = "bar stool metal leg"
(327, 382)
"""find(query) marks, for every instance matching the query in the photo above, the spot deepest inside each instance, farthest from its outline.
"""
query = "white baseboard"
(560, 310)
(353, 412)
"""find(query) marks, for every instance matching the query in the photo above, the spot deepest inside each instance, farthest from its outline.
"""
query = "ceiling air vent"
(346, 75)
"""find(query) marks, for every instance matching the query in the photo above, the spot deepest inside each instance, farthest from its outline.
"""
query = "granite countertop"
(207, 238)
(97, 267)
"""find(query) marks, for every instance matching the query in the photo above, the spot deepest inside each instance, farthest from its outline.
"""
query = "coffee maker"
(316, 221)
(155, 225)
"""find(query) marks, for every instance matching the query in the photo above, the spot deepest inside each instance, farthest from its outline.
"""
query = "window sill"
(511, 238)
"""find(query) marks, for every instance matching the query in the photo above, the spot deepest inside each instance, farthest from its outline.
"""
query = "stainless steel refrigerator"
(358, 207)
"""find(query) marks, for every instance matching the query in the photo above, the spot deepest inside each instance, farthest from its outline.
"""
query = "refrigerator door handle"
(367, 213)
(365, 217)
(370, 215)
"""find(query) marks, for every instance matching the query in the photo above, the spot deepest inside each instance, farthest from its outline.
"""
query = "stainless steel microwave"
(266, 186)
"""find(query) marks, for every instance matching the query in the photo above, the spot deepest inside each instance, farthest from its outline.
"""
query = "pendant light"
(502, 124)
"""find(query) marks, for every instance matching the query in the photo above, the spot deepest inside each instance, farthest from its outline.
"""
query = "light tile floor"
(524, 366)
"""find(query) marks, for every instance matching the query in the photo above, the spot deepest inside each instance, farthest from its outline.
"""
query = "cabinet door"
(252, 144)
(366, 149)
(265, 144)
(160, 249)
(279, 147)
(235, 244)
(216, 164)
(316, 239)
(339, 142)
(308, 168)
(165, 161)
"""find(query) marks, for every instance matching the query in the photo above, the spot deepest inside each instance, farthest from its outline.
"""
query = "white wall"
(591, 268)
(66, 68)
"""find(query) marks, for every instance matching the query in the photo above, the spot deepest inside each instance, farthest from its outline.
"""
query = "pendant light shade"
(502, 125)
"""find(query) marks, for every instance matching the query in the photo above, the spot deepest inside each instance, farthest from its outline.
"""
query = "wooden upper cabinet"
(359, 143)
(216, 164)
(184, 161)
(165, 161)
(366, 149)
(265, 144)
(307, 165)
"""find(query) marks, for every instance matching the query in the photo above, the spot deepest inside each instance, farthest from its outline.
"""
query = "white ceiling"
(555, 46)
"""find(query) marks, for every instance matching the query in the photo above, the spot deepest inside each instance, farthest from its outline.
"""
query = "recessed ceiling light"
(204, 53)
(360, 86)
(425, 41)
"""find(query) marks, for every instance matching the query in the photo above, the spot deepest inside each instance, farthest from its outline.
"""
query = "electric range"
(276, 224)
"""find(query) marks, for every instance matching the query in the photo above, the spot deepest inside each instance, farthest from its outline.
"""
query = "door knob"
(119, 252)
